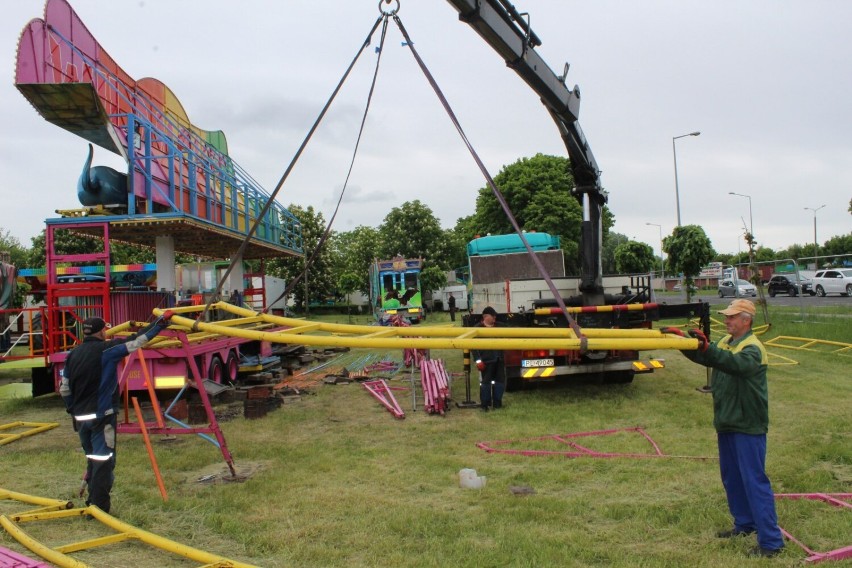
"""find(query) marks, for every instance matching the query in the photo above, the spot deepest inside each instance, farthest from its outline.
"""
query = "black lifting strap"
(492, 185)
(289, 169)
(327, 232)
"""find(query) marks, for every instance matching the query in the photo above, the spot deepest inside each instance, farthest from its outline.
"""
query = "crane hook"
(390, 12)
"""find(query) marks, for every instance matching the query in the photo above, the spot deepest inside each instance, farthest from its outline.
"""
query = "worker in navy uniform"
(492, 377)
(89, 388)
(451, 303)
(741, 419)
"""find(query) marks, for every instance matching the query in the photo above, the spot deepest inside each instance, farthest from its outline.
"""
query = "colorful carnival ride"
(181, 193)
(180, 180)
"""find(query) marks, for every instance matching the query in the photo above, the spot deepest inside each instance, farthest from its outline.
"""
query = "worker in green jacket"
(741, 418)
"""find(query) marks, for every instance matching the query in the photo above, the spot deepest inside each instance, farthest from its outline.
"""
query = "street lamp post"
(750, 218)
(662, 264)
(674, 154)
(816, 247)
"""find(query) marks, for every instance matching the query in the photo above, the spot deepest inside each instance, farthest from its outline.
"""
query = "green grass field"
(337, 481)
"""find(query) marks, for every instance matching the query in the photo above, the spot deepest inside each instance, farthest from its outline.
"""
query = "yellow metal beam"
(296, 331)
(59, 557)
(34, 428)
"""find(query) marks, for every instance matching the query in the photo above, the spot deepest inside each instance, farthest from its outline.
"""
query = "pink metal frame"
(435, 383)
(157, 427)
(577, 450)
(380, 390)
(835, 499)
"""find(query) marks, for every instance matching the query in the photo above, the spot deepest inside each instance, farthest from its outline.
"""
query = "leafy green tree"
(432, 278)
(725, 259)
(352, 253)
(538, 192)
(69, 242)
(841, 244)
(793, 251)
(18, 253)
(321, 283)
(764, 254)
(412, 231)
(688, 249)
(64, 242)
(634, 258)
(346, 284)
(611, 242)
(455, 241)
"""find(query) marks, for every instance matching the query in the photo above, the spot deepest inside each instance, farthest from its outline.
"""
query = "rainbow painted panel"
(173, 165)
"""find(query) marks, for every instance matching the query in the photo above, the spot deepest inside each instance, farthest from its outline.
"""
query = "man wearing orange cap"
(741, 419)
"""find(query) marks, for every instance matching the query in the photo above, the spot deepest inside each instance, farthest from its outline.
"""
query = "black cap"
(489, 311)
(93, 325)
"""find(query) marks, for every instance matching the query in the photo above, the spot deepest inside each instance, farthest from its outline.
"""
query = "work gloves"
(702, 339)
(703, 343)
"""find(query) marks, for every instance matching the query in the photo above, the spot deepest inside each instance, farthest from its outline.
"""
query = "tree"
(432, 278)
(67, 241)
(412, 231)
(538, 192)
(634, 257)
(64, 242)
(346, 284)
(456, 240)
(321, 284)
(17, 252)
(352, 253)
(689, 251)
(611, 242)
(841, 244)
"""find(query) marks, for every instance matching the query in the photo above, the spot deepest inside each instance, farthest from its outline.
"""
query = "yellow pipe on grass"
(124, 532)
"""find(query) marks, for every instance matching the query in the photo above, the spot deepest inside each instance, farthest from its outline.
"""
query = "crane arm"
(510, 35)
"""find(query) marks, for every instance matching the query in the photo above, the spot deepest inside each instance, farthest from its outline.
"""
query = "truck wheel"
(232, 366)
(42, 380)
(216, 373)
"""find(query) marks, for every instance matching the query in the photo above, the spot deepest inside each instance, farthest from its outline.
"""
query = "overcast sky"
(767, 84)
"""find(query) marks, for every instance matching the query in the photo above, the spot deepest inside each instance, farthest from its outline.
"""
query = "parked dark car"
(786, 284)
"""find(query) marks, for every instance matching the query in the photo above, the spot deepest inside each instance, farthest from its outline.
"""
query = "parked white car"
(726, 288)
(833, 281)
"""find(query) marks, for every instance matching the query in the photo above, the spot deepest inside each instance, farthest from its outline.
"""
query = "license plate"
(537, 363)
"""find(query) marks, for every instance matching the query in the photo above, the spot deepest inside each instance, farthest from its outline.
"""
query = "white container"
(469, 480)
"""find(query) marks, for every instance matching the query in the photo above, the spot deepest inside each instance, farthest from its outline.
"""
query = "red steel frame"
(578, 450)
(835, 499)
(158, 426)
(380, 390)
